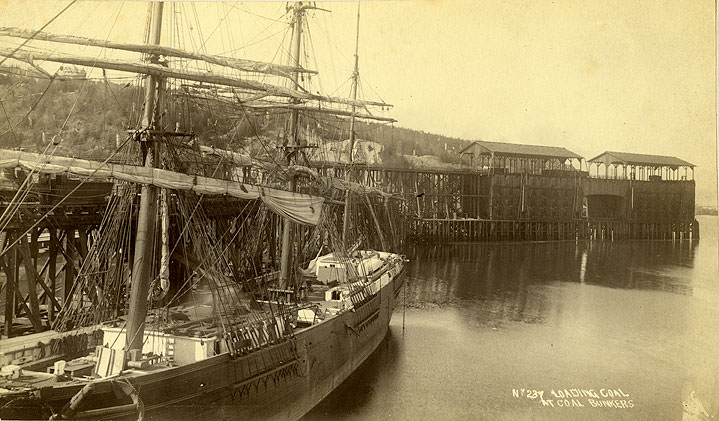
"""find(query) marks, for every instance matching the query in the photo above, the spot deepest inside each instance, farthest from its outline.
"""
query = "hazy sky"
(635, 76)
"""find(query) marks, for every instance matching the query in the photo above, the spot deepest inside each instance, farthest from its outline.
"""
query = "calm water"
(638, 317)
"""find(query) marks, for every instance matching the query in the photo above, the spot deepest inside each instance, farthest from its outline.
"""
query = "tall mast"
(141, 270)
(355, 81)
(292, 145)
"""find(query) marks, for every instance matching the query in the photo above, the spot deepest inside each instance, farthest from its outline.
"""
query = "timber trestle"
(434, 206)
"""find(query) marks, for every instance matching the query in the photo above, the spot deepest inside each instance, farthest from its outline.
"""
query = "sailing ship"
(272, 344)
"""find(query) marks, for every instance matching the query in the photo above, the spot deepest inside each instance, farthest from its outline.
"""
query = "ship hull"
(283, 381)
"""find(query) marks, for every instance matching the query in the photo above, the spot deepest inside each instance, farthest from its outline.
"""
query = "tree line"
(83, 118)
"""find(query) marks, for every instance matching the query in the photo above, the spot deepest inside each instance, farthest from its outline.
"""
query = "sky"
(633, 76)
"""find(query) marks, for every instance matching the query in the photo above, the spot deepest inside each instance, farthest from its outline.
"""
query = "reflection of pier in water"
(509, 281)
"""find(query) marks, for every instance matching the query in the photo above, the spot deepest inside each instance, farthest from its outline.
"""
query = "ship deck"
(182, 322)
(178, 336)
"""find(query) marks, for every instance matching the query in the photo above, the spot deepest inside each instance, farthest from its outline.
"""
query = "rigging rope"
(22, 195)
(38, 31)
(60, 202)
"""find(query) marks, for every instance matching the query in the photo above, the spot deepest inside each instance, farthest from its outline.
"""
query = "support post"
(52, 273)
(491, 194)
(11, 276)
(69, 263)
(30, 279)
(376, 223)
(391, 226)
(82, 242)
(35, 277)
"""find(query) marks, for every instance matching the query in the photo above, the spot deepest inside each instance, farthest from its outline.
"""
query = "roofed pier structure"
(631, 195)
(512, 158)
(634, 166)
(522, 182)
(529, 192)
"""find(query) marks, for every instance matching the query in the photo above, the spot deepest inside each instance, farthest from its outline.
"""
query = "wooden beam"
(24, 250)
(69, 249)
(70, 262)
(10, 272)
(82, 246)
(46, 290)
(391, 227)
(52, 273)
(377, 224)
(44, 267)
(19, 299)
(30, 279)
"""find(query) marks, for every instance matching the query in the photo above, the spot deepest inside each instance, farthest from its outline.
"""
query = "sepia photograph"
(359, 210)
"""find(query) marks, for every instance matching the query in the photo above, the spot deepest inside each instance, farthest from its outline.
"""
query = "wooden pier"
(450, 206)
(474, 204)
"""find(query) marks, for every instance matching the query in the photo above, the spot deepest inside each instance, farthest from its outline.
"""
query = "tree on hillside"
(84, 116)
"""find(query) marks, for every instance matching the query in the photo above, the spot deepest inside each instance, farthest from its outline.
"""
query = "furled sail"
(235, 157)
(300, 208)
(30, 57)
(322, 110)
(256, 103)
(297, 208)
(235, 63)
(242, 159)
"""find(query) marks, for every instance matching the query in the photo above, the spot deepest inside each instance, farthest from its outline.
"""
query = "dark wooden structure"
(509, 202)
(640, 196)
(59, 219)
(50, 253)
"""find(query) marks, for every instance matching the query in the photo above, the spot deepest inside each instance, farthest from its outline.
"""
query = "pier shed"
(512, 158)
(635, 166)
(632, 195)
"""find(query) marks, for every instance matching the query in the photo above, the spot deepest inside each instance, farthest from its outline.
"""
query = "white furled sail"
(235, 63)
(300, 208)
(168, 72)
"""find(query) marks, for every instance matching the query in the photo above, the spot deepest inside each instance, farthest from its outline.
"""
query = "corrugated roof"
(501, 148)
(609, 157)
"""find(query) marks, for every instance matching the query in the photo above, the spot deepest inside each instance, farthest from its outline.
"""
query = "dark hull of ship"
(282, 381)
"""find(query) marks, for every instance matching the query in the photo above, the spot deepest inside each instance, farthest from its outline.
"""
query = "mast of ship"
(292, 145)
(355, 81)
(141, 270)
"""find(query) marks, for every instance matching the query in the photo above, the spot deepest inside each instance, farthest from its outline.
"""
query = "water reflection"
(506, 276)
(485, 318)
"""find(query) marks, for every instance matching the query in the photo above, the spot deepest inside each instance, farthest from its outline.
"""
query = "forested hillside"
(84, 118)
